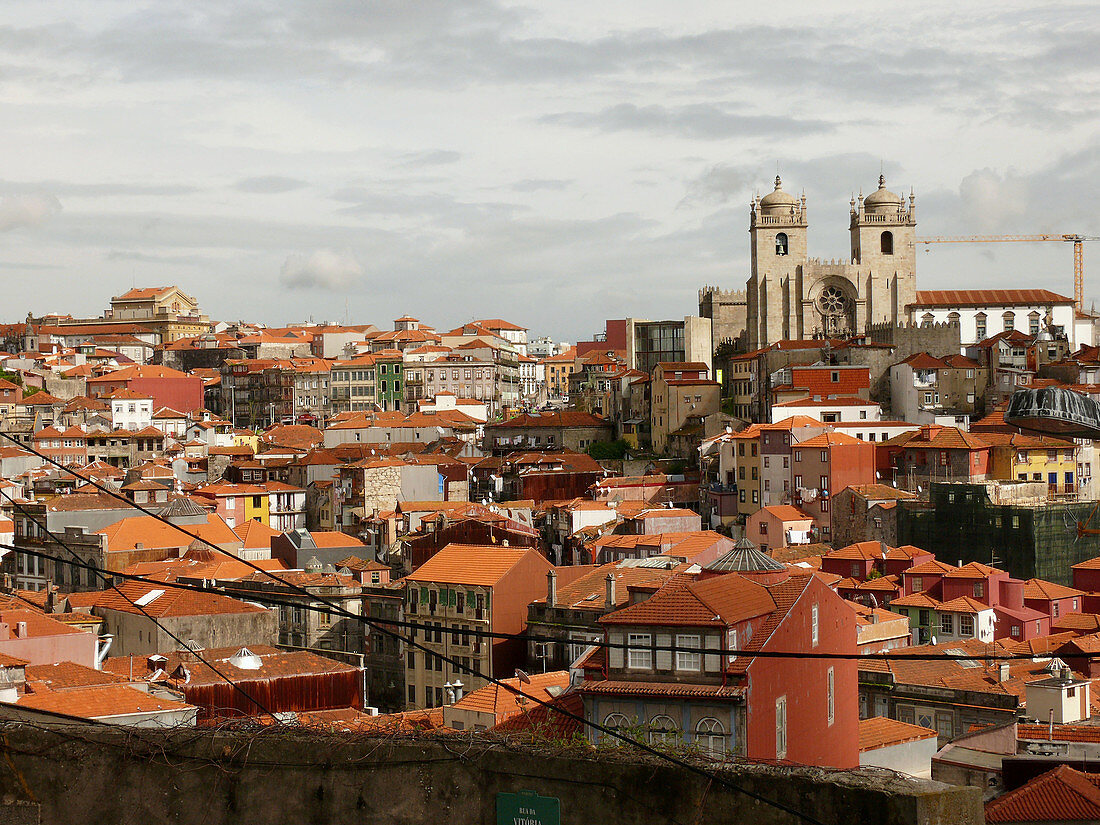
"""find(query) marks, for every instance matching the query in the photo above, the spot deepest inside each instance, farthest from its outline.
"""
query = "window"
(662, 729)
(798, 455)
(781, 244)
(710, 735)
(813, 626)
(829, 685)
(1009, 319)
(966, 625)
(687, 655)
(781, 727)
(886, 243)
(639, 654)
(979, 326)
(945, 724)
(616, 722)
(947, 624)
(979, 590)
(763, 528)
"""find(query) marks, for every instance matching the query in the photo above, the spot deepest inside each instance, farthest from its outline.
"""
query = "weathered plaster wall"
(97, 773)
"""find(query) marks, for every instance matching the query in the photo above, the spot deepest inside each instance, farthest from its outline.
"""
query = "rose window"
(832, 302)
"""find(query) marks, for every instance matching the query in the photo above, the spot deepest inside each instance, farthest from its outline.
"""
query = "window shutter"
(712, 661)
(664, 651)
(615, 654)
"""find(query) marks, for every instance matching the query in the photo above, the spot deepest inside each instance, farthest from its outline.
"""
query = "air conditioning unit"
(370, 710)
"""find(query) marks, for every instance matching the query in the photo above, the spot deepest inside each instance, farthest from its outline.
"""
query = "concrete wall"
(135, 634)
(913, 758)
(275, 776)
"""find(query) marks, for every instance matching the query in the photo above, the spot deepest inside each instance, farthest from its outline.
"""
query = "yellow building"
(1035, 458)
(739, 465)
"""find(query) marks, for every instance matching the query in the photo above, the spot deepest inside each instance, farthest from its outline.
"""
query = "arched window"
(953, 318)
(1009, 321)
(781, 243)
(887, 243)
(927, 319)
(618, 723)
(662, 729)
(1033, 323)
(710, 735)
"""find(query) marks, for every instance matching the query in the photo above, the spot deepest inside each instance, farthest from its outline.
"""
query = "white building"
(131, 410)
(829, 410)
(981, 313)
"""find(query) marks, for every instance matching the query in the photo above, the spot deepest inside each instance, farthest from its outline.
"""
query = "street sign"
(527, 808)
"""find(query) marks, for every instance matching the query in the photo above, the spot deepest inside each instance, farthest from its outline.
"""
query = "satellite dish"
(920, 489)
(895, 483)
(934, 640)
(523, 677)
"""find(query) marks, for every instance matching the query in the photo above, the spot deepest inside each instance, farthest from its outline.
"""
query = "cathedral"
(792, 296)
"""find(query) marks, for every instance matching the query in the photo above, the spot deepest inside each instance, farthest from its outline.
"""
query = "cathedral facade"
(792, 296)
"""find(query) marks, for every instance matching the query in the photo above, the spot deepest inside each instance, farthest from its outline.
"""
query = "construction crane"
(1078, 242)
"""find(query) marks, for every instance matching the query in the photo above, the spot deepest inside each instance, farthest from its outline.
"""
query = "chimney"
(551, 588)
(21, 630)
(609, 592)
(1002, 672)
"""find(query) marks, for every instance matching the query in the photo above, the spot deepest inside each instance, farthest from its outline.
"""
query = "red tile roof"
(718, 601)
(171, 601)
(882, 731)
(100, 701)
(470, 564)
(1059, 795)
(1045, 591)
(987, 297)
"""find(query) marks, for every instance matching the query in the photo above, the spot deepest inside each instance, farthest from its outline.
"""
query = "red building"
(825, 465)
(675, 681)
(167, 387)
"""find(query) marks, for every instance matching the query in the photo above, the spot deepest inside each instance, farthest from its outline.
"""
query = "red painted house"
(167, 387)
(795, 710)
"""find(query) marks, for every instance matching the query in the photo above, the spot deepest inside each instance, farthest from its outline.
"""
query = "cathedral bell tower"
(777, 230)
(883, 232)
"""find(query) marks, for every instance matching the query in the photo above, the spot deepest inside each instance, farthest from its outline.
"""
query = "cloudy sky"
(554, 163)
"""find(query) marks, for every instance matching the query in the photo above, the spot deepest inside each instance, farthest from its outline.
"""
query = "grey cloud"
(324, 269)
(93, 190)
(696, 120)
(439, 157)
(269, 185)
(538, 184)
(20, 211)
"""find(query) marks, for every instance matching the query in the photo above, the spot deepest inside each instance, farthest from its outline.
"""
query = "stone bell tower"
(777, 232)
(883, 229)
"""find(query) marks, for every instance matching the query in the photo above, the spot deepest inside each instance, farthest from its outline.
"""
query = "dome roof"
(745, 558)
(778, 200)
(882, 197)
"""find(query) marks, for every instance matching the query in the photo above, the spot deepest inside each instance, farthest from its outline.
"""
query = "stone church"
(792, 296)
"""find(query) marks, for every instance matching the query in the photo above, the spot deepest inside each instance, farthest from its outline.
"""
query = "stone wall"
(134, 777)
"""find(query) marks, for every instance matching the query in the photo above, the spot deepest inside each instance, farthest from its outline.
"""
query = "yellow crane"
(1078, 242)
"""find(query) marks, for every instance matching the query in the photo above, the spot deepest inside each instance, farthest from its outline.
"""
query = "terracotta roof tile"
(471, 564)
(882, 731)
(1062, 794)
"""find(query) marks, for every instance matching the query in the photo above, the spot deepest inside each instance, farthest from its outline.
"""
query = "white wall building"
(131, 410)
(829, 410)
(981, 313)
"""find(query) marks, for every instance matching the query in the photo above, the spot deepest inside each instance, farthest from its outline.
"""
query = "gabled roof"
(719, 601)
(160, 602)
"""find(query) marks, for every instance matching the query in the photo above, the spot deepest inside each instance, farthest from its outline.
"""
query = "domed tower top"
(778, 202)
(882, 200)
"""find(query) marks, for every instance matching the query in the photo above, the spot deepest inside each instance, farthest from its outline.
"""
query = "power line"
(455, 663)
(269, 599)
(140, 608)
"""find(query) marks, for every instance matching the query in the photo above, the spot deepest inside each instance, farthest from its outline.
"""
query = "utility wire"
(106, 580)
(412, 642)
(270, 599)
